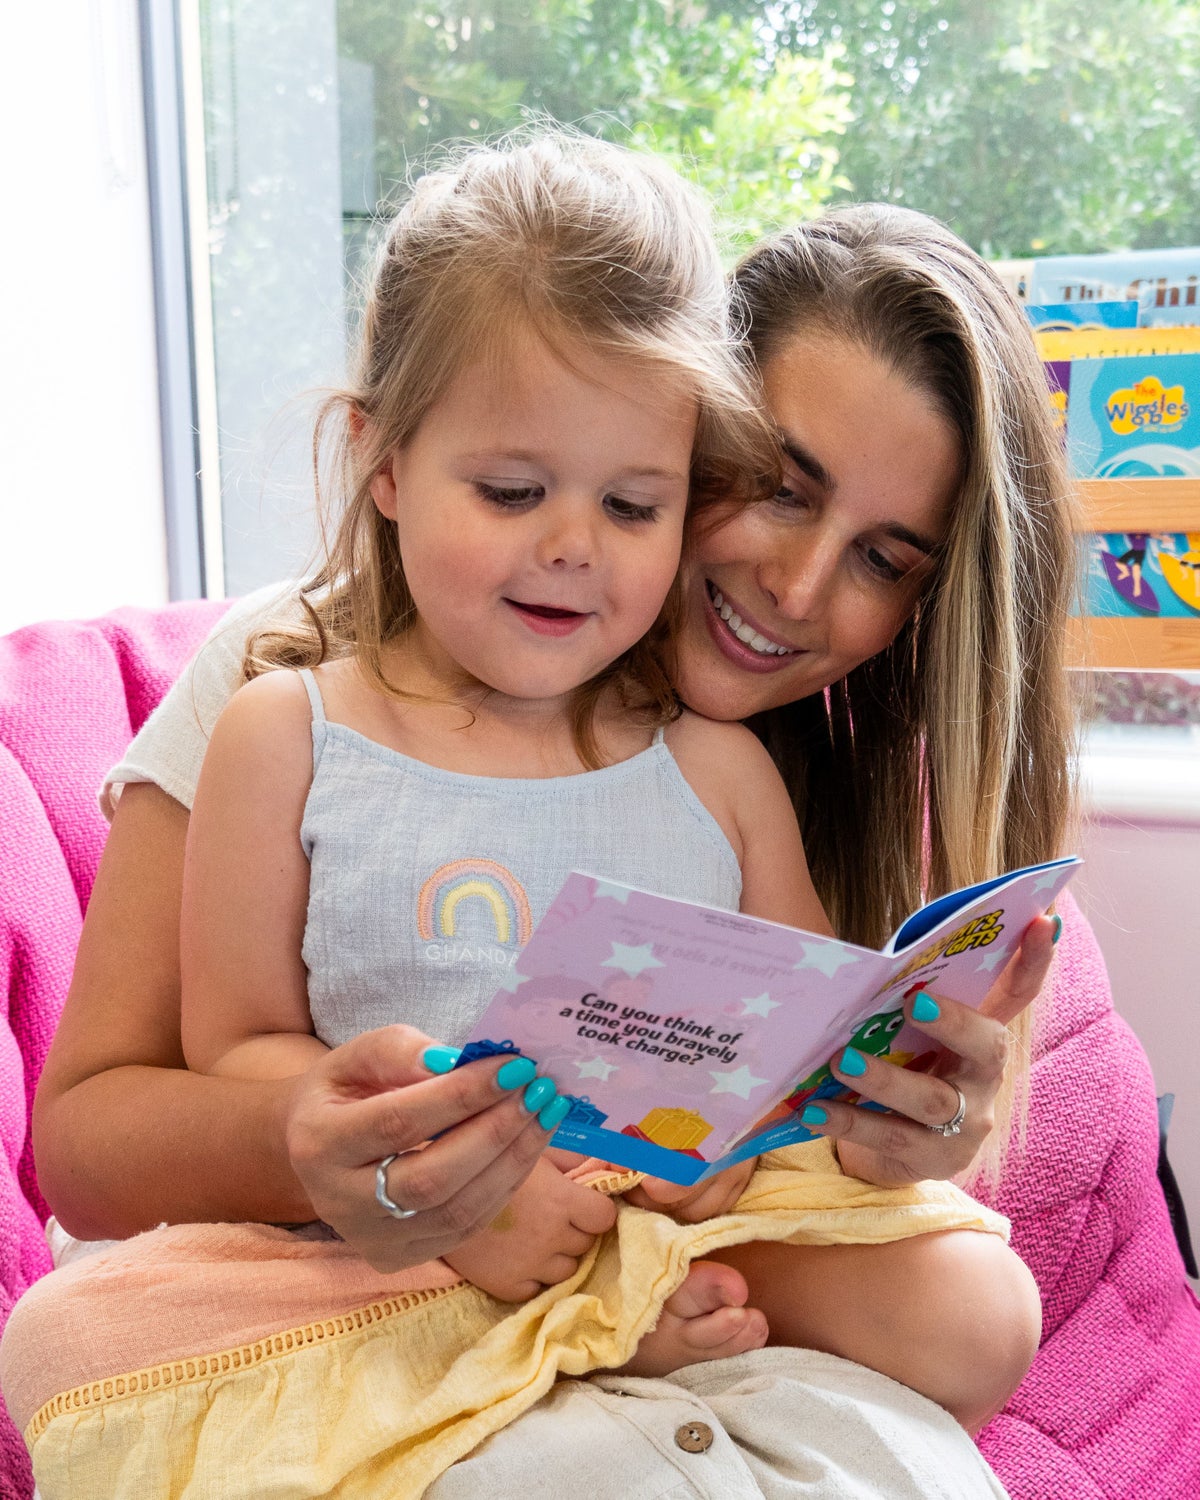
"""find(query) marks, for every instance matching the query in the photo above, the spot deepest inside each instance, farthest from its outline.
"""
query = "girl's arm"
(738, 783)
(119, 1123)
(245, 890)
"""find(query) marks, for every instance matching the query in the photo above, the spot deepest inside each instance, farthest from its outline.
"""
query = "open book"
(690, 1038)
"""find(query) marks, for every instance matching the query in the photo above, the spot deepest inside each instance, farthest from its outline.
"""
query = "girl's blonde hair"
(585, 245)
(947, 758)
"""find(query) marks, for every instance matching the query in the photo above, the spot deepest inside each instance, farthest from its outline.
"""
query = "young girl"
(546, 379)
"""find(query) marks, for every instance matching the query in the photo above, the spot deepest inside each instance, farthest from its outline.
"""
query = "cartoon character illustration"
(1182, 571)
(873, 1036)
(1126, 574)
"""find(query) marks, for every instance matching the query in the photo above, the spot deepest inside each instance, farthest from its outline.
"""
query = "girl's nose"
(568, 540)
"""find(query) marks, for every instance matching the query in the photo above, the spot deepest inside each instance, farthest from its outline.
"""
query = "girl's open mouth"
(547, 619)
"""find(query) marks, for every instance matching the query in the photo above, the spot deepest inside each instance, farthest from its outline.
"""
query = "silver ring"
(953, 1125)
(389, 1205)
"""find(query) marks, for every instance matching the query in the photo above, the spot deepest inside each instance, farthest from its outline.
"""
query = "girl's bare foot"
(706, 1318)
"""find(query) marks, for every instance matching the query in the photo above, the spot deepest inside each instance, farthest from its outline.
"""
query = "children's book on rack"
(690, 1038)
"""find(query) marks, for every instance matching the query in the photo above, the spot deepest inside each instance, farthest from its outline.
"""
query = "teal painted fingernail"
(813, 1114)
(853, 1062)
(555, 1113)
(925, 1007)
(440, 1059)
(539, 1092)
(1058, 926)
(517, 1073)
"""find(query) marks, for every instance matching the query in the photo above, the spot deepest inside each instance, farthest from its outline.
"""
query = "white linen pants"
(776, 1424)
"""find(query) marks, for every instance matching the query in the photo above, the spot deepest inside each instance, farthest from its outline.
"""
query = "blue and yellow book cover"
(1135, 417)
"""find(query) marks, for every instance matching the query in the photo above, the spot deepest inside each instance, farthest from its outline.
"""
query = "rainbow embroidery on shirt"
(473, 879)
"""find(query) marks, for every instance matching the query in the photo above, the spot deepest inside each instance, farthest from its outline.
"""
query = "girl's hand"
(538, 1237)
(899, 1148)
(374, 1096)
(692, 1205)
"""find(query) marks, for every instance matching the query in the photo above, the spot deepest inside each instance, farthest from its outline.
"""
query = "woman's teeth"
(747, 633)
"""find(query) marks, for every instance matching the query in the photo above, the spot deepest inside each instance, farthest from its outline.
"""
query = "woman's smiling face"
(791, 594)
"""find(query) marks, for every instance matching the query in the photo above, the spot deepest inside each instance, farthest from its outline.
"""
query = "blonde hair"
(583, 244)
(947, 758)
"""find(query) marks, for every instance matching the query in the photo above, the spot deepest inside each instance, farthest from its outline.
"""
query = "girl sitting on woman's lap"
(537, 401)
(542, 388)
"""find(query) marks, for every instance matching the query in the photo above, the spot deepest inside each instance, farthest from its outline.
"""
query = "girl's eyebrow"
(522, 455)
(808, 463)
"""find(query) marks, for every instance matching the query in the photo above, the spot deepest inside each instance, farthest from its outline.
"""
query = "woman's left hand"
(898, 1148)
(692, 1205)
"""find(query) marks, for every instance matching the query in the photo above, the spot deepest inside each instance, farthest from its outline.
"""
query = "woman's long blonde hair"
(948, 757)
(589, 247)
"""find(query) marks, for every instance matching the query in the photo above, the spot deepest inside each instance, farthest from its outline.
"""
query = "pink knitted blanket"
(1110, 1407)
(71, 697)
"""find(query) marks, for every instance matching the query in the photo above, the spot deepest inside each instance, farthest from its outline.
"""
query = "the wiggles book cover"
(689, 1038)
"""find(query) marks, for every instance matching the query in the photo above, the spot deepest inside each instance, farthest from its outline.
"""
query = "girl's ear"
(383, 489)
(383, 484)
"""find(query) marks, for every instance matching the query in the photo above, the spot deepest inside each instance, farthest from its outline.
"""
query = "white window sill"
(1130, 773)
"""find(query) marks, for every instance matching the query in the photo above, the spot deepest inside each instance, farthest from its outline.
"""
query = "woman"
(890, 623)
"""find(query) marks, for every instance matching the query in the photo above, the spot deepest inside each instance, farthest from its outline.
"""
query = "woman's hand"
(692, 1205)
(537, 1239)
(898, 1148)
(375, 1096)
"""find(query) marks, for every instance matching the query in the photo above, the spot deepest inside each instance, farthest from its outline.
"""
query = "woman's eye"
(882, 566)
(629, 510)
(509, 497)
(788, 496)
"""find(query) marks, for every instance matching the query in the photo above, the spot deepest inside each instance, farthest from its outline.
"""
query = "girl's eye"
(629, 510)
(509, 497)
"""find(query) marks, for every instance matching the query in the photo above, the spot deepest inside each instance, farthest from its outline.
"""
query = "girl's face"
(789, 595)
(540, 516)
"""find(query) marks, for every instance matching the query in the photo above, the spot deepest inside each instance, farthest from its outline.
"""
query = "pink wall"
(1141, 890)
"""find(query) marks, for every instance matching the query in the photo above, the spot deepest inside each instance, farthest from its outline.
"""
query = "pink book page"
(675, 1023)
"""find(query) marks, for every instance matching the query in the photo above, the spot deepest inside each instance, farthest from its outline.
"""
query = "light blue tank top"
(426, 883)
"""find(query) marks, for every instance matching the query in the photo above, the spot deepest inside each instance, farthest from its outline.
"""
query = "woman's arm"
(126, 1138)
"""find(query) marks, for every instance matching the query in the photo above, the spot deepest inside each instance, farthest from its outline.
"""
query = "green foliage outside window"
(1031, 126)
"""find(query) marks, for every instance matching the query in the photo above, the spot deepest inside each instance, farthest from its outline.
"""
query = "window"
(314, 113)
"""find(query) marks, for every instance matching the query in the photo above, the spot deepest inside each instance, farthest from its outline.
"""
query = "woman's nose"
(799, 576)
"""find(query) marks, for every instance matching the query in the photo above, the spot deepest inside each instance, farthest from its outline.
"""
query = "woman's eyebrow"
(912, 538)
(808, 463)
